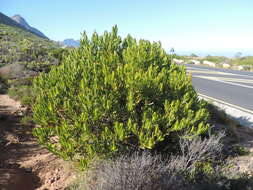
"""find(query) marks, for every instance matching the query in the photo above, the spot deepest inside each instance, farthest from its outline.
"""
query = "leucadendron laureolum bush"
(112, 95)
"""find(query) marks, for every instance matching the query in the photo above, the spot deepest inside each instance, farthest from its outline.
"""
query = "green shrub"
(22, 93)
(112, 95)
(26, 120)
(59, 53)
(240, 150)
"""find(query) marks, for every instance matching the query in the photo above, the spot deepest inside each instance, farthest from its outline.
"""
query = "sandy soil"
(24, 164)
(244, 163)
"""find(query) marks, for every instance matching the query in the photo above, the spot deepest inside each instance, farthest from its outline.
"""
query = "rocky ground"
(244, 162)
(24, 164)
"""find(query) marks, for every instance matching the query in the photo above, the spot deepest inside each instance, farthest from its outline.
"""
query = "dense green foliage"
(112, 95)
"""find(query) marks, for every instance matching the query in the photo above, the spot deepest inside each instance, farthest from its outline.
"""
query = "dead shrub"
(144, 171)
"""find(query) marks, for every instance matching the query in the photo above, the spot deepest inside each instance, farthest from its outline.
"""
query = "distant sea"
(218, 52)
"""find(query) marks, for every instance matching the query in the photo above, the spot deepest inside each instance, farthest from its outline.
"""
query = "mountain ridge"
(70, 42)
(8, 21)
(4, 19)
(20, 20)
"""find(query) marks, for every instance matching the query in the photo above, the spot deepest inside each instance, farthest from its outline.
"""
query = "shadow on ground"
(16, 143)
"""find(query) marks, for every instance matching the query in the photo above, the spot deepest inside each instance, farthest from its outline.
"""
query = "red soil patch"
(24, 164)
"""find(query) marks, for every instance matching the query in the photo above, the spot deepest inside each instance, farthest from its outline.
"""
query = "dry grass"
(143, 171)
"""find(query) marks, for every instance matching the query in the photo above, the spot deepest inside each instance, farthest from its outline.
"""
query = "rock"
(20, 114)
(226, 66)
(209, 63)
(12, 71)
(240, 68)
(52, 180)
(28, 170)
(178, 61)
(195, 62)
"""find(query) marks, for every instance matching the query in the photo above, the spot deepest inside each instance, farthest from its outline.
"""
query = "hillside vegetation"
(20, 46)
(14, 22)
(23, 55)
(236, 63)
(248, 60)
(244, 61)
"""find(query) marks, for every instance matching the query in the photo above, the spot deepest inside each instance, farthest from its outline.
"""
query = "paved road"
(225, 85)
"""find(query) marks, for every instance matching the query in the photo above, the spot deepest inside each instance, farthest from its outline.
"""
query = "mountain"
(23, 55)
(10, 22)
(19, 45)
(70, 42)
(20, 20)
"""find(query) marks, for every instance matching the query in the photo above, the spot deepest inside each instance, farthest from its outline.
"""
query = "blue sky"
(186, 25)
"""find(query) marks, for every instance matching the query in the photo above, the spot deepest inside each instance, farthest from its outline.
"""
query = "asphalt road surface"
(232, 87)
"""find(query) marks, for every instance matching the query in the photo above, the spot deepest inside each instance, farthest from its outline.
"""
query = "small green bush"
(240, 150)
(3, 85)
(22, 93)
(113, 95)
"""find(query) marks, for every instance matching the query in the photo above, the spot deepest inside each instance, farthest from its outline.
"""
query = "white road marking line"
(249, 81)
(197, 68)
(225, 103)
(230, 79)
(218, 80)
(237, 80)
(228, 73)
(208, 72)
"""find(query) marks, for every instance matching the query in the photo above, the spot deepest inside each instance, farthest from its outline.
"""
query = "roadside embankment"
(243, 116)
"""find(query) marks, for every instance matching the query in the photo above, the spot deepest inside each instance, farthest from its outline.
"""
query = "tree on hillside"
(238, 55)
